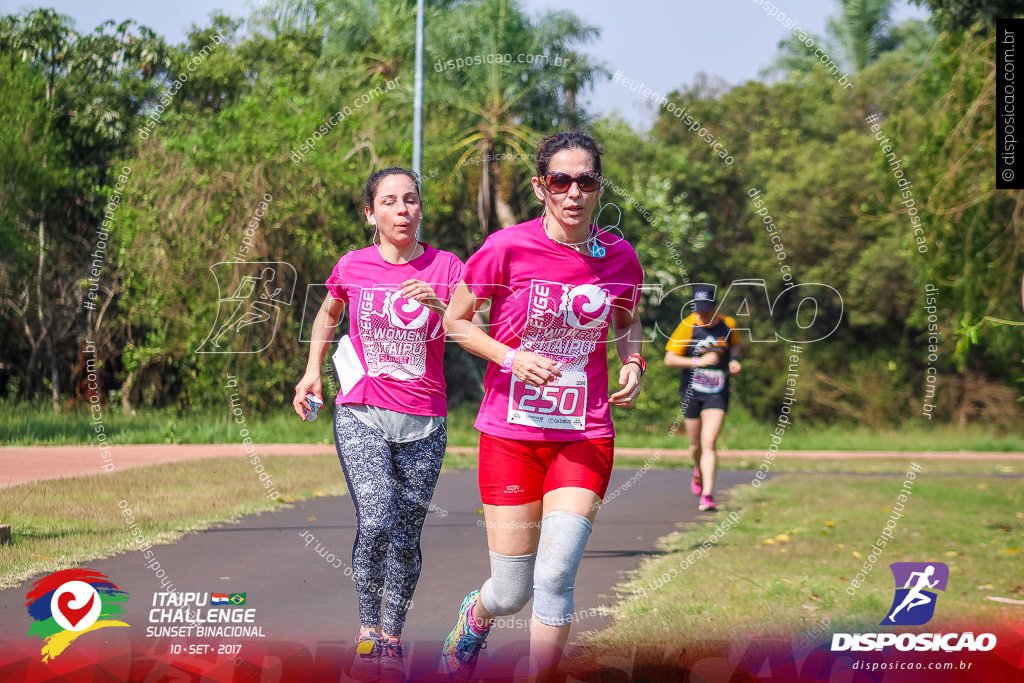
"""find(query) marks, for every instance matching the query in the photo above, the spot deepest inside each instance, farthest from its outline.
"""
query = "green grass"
(798, 543)
(61, 523)
(37, 425)
(782, 464)
(741, 431)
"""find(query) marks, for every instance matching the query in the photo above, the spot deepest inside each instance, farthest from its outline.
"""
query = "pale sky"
(662, 43)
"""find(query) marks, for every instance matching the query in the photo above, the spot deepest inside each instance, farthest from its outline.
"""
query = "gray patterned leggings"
(391, 485)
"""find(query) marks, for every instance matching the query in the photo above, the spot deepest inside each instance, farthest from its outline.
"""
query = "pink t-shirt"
(556, 302)
(399, 341)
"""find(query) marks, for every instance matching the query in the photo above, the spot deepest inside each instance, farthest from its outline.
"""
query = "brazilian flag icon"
(237, 598)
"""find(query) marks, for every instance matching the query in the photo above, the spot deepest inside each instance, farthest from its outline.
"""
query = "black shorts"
(696, 401)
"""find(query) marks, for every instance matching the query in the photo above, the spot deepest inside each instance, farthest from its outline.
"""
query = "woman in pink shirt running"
(389, 428)
(555, 284)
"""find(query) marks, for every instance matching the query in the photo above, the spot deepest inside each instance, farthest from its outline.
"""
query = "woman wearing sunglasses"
(555, 284)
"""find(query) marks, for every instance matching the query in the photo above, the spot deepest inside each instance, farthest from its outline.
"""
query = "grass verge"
(23, 424)
(61, 523)
(792, 465)
(799, 541)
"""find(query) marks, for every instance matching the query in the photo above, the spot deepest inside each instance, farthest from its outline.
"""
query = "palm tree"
(503, 104)
(498, 106)
(863, 30)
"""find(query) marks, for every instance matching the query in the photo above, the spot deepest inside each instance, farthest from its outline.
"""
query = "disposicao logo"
(68, 603)
(913, 604)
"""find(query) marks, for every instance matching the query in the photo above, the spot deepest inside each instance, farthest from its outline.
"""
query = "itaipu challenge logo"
(70, 603)
(914, 603)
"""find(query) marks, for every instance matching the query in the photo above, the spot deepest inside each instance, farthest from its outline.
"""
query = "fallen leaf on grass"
(1010, 551)
(1007, 601)
(768, 541)
(951, 553)
(782, 537)
(986, 587)
(830, 523)
(858, 555)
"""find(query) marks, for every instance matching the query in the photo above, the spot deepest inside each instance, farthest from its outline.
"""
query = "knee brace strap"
(511, 584)
(563, 537)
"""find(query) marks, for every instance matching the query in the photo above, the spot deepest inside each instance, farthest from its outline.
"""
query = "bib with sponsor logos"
(565, 324)
(708, 380)
(561, 404)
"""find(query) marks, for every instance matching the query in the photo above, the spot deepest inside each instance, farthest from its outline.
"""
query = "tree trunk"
(126, 392)
(571, 87)
(483, 204)
(54, 377)
(40, 318)
(506, 216)
(28, 389)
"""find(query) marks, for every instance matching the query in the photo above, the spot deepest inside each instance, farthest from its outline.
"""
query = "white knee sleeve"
(563, 537)
(511, 584)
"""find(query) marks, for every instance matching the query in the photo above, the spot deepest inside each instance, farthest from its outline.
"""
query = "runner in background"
(706, 346)
(389, 427)
(556, 283)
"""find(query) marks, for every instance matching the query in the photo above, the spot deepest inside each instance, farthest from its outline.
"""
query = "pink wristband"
(506, 362)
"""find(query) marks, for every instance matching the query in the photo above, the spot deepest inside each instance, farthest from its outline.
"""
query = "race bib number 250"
(561, 405)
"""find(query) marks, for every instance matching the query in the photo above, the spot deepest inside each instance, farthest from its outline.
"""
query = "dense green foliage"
(260, 153)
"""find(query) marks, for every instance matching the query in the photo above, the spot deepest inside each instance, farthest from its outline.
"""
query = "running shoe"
(463, 644)
(392, 661)
(707, 503)
(696, 484)
(366, 665)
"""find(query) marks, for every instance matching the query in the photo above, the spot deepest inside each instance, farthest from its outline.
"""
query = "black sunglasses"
(557, 183)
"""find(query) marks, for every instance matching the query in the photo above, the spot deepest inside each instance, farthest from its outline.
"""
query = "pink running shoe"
(707, 504)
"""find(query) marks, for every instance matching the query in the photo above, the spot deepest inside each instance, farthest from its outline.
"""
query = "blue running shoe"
(463, 645)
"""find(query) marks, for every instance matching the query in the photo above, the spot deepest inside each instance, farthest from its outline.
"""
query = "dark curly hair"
(370, 193)
(558, 142)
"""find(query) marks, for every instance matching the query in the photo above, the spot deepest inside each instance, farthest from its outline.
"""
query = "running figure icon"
(915, 597)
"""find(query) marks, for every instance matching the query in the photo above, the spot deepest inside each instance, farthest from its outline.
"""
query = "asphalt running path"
(303, 598)
(20, 464)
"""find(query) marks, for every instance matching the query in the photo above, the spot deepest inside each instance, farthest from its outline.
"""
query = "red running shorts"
(513, 472)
